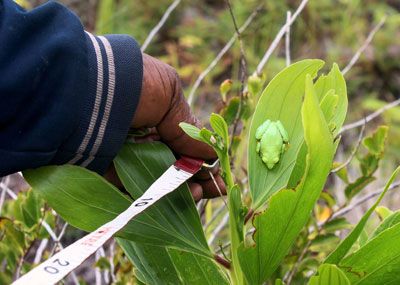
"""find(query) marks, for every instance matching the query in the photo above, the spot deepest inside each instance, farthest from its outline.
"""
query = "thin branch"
(155, 30)
(111, 261)
(370, 117)
(297, 264)
(287, 39)
(219, 189)
(242, 74)
(362, 200)
(353, 153)
(97, 271)
(364, 46)
(220, 55)
(279, 36)
(3, 191)
(39, 252)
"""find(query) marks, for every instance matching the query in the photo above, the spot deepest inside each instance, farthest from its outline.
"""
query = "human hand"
(163, 106)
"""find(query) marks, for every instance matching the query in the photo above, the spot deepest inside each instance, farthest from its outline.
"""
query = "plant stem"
(235, 233)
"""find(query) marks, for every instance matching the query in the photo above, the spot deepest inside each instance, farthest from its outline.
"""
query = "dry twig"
(287, 38)
(370, 117)
(362, 200)
(364, 46)
(353, 153)
(221, 53)
(279, 36)
(155, 30)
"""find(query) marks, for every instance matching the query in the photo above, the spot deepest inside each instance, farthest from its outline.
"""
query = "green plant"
(167, 243)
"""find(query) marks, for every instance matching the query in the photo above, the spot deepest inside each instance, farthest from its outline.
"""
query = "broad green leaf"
(289, 210)
(377, 262)
(329, 104)
(332, 94)
(194, 269)
(191, 131)
(389, 222)
(329, 274)
(87, 201)
(138, 166)
(152, 263)
(160, 265)
(340, 252)
(281, 100)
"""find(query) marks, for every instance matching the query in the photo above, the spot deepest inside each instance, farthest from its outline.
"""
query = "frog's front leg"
(258, 147)
(283, 149)
(262, 129)
(283, 132)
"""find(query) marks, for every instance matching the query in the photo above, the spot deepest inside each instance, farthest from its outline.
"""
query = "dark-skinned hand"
(162, 106)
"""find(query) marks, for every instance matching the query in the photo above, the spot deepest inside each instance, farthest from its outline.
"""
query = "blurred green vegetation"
(332, 30)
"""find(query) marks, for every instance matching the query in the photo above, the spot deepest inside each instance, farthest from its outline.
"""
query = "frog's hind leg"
(284, 134)
(262, 128)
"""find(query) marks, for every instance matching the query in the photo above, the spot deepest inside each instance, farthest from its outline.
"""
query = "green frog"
(272, 140)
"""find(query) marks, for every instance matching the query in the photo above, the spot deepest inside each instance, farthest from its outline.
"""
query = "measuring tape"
(62, 263)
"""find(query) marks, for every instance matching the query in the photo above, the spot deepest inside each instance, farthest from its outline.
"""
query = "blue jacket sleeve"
(66, 96)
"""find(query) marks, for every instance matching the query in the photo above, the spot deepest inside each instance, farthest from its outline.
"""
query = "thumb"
(174, 136)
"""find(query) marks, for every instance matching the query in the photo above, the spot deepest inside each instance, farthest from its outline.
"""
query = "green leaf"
(376, 143)
(339, 253)
(160, 265)
(342, 172)
(389, 222)
(278, 227)
(191, 131)
(236, 221)
(324, 243)
(337, 225)
(377, 262)
(332, 94)
(334, 80)
(354, 188)
(138, 166)
(220, 127)
(329, 274)
(87, 201)
(281, 100)
(383, 212)
(197, 270)
(329, 105)
(230, 111)
(152, 263)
